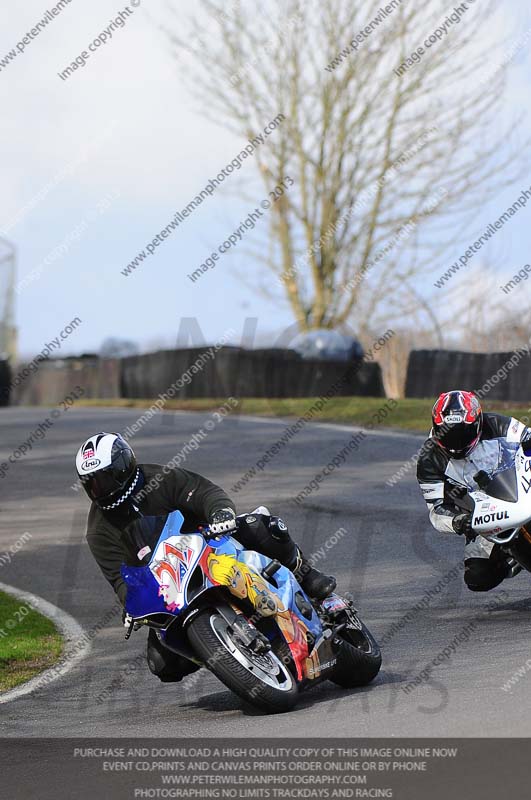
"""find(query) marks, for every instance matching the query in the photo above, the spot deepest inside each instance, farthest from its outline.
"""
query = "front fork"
(520, 548)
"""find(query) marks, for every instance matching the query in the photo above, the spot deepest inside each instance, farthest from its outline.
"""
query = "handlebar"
(204, 530)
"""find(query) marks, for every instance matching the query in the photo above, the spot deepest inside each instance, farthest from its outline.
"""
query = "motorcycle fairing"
(161, 586)
(240, 570)
(143, 596)
(493, 511)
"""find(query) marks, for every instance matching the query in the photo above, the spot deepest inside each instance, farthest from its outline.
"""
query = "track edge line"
(72, 633)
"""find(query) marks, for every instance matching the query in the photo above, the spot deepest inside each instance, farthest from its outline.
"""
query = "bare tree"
(391, 159)
(498, 319)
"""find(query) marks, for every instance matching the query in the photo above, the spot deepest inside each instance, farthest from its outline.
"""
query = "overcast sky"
(108, 156)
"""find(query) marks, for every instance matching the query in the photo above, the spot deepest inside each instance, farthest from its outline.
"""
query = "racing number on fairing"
(526, 482)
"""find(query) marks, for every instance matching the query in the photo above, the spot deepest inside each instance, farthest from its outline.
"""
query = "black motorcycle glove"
(222, 521)
(462, 525)
(127, 620)
(525, 441)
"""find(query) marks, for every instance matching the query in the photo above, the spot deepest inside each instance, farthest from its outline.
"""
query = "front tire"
(359, 658)
(262, 680)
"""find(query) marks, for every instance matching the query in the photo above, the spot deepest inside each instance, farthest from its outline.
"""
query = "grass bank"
(409, 414)
(29, 642)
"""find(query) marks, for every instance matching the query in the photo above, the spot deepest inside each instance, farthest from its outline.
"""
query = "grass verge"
(409, 414)
(29, 642)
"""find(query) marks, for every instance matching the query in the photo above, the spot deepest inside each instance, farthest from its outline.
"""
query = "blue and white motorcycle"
(244, 617)
(501, 504)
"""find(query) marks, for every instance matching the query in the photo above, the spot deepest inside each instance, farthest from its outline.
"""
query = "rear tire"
(250, 676)
(359, 658)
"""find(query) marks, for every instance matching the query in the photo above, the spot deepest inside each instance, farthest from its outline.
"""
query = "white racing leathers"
(440, 476)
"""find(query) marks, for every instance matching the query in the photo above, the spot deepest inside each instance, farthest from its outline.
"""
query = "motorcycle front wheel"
(261, 679)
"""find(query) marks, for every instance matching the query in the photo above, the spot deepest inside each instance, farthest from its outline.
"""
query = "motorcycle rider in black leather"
(122, 492)
(464, 441)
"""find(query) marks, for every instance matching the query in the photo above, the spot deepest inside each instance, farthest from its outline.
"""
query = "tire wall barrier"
(431, 372)
(246, 373)
(5, 380)
(54, 380)
(232, 371)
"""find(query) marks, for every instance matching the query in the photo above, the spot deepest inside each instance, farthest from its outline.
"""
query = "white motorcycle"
(501, 506)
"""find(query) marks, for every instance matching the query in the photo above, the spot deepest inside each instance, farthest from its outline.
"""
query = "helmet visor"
(102, 484)
(459, 439)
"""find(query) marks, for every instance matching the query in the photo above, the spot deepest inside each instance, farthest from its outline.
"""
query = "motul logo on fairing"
(491, 517)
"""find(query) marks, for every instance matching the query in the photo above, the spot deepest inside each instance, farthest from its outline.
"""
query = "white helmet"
(107, 468)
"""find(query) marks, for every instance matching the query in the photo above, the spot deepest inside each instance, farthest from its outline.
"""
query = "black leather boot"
(315, 583)
(270, 536)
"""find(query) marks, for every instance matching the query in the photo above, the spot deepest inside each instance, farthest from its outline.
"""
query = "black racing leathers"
(164, 490)
(442, 478)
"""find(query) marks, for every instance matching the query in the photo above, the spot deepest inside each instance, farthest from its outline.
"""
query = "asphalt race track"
(389, 559)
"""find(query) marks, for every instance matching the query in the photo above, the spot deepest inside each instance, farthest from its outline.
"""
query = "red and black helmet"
(457, 422)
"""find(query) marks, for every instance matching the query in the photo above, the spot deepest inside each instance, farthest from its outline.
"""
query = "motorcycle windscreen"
(503, 486)
(145, 531)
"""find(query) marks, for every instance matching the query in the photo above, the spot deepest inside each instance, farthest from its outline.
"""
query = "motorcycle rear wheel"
(359, 658)
(262, 680)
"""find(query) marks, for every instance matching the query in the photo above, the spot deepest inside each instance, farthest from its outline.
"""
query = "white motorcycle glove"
(223, 521)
